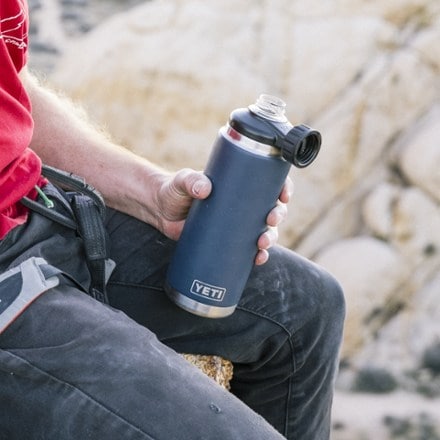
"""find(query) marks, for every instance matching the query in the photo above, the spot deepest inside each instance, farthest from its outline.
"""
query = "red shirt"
(20, 167)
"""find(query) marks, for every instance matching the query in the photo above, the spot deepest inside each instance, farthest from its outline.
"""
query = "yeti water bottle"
(248, 166)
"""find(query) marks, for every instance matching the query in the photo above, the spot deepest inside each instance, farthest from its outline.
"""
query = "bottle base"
(195, 307)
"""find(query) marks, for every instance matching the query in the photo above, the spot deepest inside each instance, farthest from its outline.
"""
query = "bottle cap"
(301, 145)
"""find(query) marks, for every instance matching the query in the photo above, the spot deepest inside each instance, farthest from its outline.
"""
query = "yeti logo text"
(212, 292)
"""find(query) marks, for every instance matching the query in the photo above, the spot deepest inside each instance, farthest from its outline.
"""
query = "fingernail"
(197, 187)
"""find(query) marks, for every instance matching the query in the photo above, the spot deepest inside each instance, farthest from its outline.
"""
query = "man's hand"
(174, 198)
(177, 192)
(274, 218)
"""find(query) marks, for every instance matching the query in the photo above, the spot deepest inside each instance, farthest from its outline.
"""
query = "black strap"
(94, 236)
(71, 181)
(49, 213)
(89, 211)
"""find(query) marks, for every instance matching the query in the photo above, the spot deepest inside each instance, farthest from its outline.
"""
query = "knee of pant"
(333, 299)
(319, 310)
(328, 321)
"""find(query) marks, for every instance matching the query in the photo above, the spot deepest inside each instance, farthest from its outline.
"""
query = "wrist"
(135, 189)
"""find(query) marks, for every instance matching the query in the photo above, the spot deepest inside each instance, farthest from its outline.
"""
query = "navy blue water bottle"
(248, 166)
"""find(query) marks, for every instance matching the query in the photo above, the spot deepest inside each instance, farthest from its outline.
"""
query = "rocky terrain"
(163, 75)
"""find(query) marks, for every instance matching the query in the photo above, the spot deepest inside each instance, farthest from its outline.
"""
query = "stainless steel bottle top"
(249, 144)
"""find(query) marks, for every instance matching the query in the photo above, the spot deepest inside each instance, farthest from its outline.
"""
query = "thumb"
(192, 183)
(201, 187)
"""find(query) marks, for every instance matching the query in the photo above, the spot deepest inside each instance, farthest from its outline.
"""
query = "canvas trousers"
(72, 367)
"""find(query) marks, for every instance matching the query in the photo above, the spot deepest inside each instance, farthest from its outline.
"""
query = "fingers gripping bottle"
(248, 166)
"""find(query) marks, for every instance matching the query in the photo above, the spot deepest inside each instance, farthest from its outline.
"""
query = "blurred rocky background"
(163, 75)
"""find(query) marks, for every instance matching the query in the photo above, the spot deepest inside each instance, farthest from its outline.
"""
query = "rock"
(420, 154)
(374, 380)
(398, 415)
(426, 41)
(370, 272)
(431, 358)
(407, 218)
(421, 426)
(378, 209)
(400, 12)
(217, 368)
(408, 337)
(416, 220)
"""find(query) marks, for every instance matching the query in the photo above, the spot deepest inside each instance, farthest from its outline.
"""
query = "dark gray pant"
(73, 368)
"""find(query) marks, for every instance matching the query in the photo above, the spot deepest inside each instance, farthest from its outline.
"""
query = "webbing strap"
(71, 181)
(88, 211)
(94, 236)
(49, 213)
